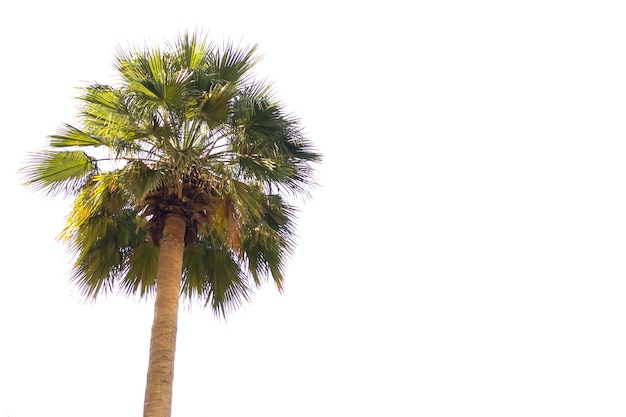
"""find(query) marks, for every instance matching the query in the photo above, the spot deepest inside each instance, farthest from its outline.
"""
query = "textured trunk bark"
(158, 399)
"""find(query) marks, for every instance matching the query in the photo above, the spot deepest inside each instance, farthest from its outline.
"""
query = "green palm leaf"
(58, 171)
(141, 273)
(233, 64)
(69, 136)
(212, 273)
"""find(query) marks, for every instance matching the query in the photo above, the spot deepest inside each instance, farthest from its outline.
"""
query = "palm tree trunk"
(158, 399)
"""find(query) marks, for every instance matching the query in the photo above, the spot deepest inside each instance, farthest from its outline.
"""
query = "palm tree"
(183, 178)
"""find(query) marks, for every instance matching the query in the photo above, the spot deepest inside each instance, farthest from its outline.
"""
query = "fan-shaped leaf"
(58, 171)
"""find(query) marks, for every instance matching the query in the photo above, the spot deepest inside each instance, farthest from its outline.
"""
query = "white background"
(463, 255)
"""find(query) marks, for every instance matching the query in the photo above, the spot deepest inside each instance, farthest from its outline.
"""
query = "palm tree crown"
(188, 132)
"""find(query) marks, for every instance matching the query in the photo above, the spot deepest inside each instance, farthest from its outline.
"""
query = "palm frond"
(152, 76)
(140, 278)
(233, 63)
(270, 146)
(213, 275)
(140, 179)
(102, 260)
(58, 171)
(215, 104)
(192, 50)
(70, 136)
(246, 196)
(102, 198)
(106, 115)
(269, 240)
